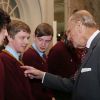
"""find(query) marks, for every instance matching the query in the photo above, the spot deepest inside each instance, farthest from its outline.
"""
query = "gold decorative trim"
(5, 51)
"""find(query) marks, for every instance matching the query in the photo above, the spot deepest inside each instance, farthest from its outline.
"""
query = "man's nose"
(68, 37)
(43, 43)
(6, 33)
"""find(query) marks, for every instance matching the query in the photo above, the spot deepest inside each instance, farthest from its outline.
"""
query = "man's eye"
(22, 37)
(39, 39)
(48, 41)
(28, 38)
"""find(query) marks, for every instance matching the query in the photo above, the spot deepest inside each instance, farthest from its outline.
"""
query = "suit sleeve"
(1, 81)
(58, 83)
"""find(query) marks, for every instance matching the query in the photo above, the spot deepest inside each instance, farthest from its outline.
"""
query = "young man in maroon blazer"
(35, 56)
(4, 21)
(63, 61)
(15, 86)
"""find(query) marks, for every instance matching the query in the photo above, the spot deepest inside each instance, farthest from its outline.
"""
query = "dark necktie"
(85, 50)
(20, 57)
(44, 56)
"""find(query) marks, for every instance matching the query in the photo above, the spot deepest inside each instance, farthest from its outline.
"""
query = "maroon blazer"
(32, 58)
(1, 81)
(13, 84)
(62, 60)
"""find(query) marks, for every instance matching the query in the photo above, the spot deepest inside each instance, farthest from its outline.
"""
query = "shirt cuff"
(43, 77)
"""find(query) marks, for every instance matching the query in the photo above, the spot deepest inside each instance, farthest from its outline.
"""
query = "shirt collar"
(39, 52)
(91, 38)
(12, 51)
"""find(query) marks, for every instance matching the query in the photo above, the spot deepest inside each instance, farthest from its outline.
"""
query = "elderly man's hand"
(32, 72)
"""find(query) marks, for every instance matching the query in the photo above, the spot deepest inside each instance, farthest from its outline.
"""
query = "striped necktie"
(85, 50)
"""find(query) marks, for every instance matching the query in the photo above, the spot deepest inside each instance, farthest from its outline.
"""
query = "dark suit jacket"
(87, 84)
(13, 84)
(32, 58)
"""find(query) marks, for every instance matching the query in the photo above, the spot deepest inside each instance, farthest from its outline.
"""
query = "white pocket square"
(85, 70)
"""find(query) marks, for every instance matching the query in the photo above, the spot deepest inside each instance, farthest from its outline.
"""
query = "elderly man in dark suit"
(83, 32)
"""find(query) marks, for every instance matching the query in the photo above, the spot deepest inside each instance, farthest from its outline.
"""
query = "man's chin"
(42, 50)
(2, 47)
(21, 51)
(2, 43)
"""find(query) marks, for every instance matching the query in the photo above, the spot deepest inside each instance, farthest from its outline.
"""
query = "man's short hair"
(16, 26)
(44, 29)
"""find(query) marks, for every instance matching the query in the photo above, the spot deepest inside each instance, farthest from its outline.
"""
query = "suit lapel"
(92, 47)
(88, 55)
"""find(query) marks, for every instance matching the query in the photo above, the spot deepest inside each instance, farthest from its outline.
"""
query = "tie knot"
(85, 50)
(20, 57)
(44, 55)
